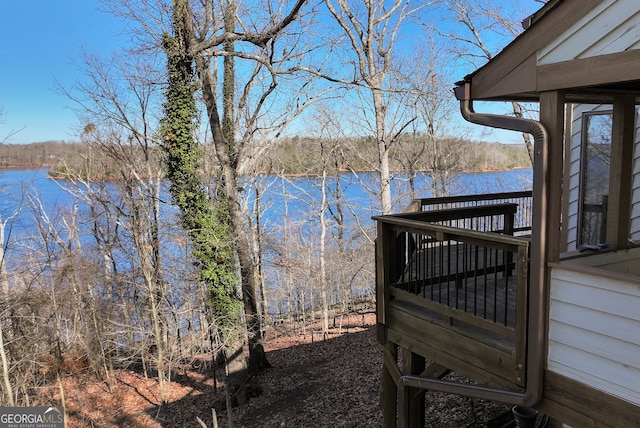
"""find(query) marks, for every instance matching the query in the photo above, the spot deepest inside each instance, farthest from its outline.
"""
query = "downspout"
(536, 343)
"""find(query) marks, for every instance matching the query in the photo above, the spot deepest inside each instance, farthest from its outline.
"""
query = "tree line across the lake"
(298, 155)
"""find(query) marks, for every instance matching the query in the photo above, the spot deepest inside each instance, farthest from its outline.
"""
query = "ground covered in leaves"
(313, 383)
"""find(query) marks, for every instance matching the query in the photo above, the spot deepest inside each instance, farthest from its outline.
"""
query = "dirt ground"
(313, 383)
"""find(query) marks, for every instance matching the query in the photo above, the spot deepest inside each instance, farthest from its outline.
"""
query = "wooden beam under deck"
(581, 406)
(489, 361)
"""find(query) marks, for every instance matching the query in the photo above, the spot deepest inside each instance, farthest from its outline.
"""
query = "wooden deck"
(471, 278)
(452, 289)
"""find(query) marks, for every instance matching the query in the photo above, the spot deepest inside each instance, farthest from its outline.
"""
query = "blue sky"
(42, 40)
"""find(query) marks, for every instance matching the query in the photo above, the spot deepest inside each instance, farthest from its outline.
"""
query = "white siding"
(594, 332)
(612, 26)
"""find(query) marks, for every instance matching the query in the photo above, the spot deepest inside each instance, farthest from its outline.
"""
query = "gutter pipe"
(533, 391)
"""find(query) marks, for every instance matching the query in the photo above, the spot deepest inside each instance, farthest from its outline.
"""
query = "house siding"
(612, 26)
(574, 178)
(594, 332)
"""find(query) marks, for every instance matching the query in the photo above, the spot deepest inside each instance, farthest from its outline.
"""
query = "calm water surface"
(26, 194)
(294, 198)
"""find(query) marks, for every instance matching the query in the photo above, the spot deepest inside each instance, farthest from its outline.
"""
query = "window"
(594, 180)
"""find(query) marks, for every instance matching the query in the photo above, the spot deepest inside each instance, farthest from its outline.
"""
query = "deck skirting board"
(578, 405)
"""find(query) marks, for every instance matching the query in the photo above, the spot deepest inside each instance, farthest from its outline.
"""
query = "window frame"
(584, 158)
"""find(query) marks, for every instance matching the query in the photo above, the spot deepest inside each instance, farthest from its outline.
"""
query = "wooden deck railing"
(523, 199)
(461, 263)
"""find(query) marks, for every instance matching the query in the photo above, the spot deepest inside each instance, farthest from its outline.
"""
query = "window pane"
(596, 159)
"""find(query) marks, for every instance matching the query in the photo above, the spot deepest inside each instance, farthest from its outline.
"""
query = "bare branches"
(7, 137)
(260, 39)
(478, 22)
(465, 19)
(481, 28)
(372, 33)
(121, 93)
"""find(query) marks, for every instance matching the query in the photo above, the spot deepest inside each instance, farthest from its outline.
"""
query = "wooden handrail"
(401, 223)
(522, 218)
(508, 210)
(475, 198)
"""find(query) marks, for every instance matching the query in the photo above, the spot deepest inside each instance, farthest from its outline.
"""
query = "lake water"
(301, 195)
(293, 201)
(294, 198)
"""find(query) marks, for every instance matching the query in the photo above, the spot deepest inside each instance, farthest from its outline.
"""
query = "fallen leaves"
(324, 383)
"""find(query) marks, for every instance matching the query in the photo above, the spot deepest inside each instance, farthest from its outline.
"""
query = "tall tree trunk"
(206, 224)
(323, 272)
(383, 152)
(224, 141)
(158, 335)
(257, 356)
(5, 371)
(257, 254)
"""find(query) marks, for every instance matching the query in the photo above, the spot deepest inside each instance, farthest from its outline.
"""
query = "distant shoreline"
(290, 174)
(33, 166)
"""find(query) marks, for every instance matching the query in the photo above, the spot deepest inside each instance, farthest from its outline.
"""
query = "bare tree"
(117, 103)
(341, 257)
(372, 31)
(477, 21)
(5, 233)
(243, 129)
(432, 141)
(323, 244)
(6, 375)
(255, 208)
(6, 136)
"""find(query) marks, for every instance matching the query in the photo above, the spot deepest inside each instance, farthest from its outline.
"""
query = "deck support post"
(414, 364)
(389, 389)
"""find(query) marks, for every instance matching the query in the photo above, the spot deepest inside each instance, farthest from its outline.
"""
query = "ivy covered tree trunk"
(205, 221)
(232, 151)
(248, 269)
(227, 152)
